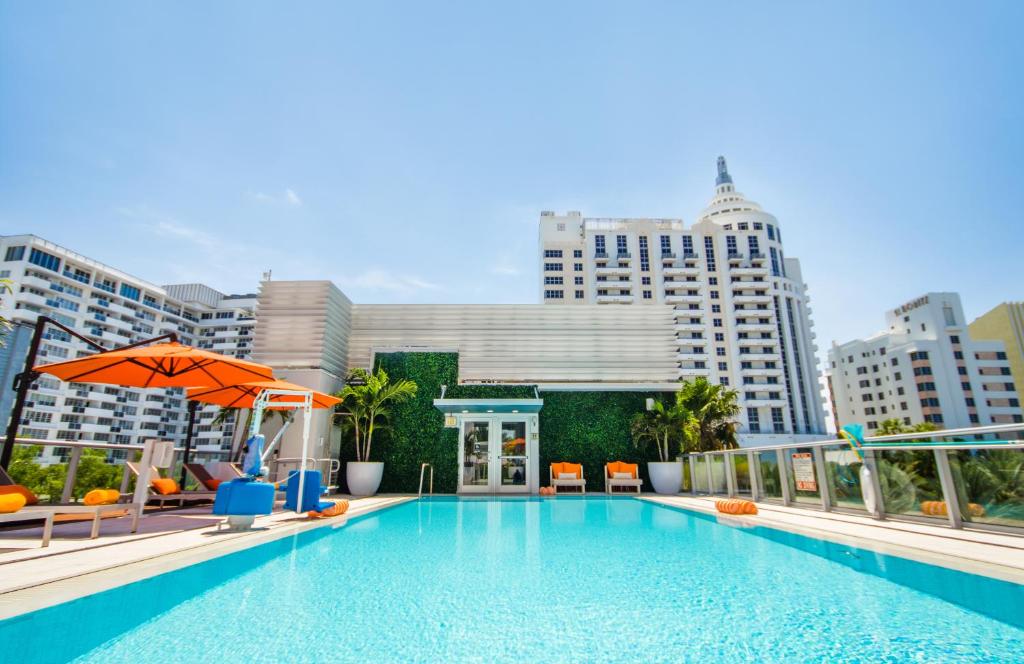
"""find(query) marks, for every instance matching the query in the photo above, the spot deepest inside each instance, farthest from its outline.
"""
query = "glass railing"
(941, 479)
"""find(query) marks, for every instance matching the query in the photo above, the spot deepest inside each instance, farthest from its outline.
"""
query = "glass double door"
(493, 456)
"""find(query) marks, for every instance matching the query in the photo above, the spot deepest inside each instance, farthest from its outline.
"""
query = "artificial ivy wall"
(585, 427)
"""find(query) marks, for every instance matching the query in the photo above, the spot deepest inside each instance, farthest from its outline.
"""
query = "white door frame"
(494, 421)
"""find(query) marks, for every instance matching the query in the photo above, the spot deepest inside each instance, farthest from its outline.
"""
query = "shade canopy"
(244, 394)
(159, 365)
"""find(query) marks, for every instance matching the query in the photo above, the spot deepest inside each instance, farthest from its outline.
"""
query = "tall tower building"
(925, 367)
(742, 314)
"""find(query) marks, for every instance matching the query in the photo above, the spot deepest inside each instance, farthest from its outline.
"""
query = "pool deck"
(986, 553)
(73, 566)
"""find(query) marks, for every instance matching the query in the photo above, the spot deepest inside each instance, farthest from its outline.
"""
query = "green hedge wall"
(585, 427)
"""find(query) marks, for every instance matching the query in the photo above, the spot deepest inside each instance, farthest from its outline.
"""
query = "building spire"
(723, 173)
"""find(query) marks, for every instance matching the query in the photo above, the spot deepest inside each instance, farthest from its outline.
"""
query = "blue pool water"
(522, 580)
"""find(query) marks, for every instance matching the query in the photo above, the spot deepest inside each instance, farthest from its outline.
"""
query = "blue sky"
(404, 150)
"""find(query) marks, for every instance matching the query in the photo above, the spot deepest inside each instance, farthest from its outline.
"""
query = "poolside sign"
(803, 472)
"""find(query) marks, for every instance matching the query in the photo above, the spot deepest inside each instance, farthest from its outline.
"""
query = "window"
(758, 226)
(717, 322)
(579, 295)
(716, 308)
(712, 281)
(948, 315)
(771, 232)
(666, 245)
(919, 355)
(730, 245)
(709, 249)
(15, 253)
(962, 370)
(578, 281)
(130, 292)
(599, 249)
(553, 294)
(552, 267)
(552, 281)
(924, 371)
(647, 295)
(752, 246)
(720, 351)
(897, 376)
(645, 257)
(719, 336)
(775, 260)
(752, 420)
(645, 281)
(552, 253)
(577, 267)
(723, 366)
(44, 260)
(688, 246)
(958, 355)
(620, 245)
(954, 339)
(778, 423)
(743, 226)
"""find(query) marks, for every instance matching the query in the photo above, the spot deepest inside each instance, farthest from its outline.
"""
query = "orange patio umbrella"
(160, 365)
(244, 394)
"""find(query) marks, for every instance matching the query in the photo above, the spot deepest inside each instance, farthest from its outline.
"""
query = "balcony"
(760, 371)
(760, 357)
(684, 299)
(691, 341)
(747, 269)
(692, 357)
(612, 270)
(762, 402)
(681, 271)
(757, 342)
(692, 371)
(755, 327)
(689, 327)
(614, 299)
(751, 299)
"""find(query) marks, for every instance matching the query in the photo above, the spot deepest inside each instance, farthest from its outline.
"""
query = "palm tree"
(663, 425)
(715, 410)
(365, 400)
(890, 427)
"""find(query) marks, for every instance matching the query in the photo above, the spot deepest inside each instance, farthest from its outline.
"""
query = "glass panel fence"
(701, 474)
(718, 481)
(842, 466)
(803, 476)
(768, 474)
(910, 483)
(687, 482)
(990, 485)
(741, 466)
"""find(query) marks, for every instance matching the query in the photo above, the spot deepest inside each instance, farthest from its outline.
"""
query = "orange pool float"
(337, 509)
(735, 506)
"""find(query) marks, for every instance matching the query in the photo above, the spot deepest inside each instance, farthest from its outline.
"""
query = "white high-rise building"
(924, 367)
(742, 316)
(112, 309)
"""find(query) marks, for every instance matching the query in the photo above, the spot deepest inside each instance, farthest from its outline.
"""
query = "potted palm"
(667, 427)
(365, 403)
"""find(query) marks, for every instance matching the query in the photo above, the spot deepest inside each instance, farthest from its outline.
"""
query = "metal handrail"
(423, 467)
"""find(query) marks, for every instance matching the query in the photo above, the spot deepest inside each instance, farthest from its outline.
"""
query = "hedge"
(585, 427)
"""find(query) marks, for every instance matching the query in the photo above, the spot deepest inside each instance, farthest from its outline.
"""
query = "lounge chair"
(199, 472)
(22, 515)
(566, 475)
(163, 498)
(620, 474)
(33, 510)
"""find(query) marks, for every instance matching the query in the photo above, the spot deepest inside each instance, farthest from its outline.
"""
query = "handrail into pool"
(951, 489)
(423, 467)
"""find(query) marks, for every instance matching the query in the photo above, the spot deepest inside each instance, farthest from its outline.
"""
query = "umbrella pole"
(193, 406)
(307, 411)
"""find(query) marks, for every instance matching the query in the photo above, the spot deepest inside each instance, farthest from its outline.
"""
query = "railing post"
(69, 478)
(730, 477)
(126, 475)
(876, 486)
(693, 475)
(780, 458)
(824, 490)
(707, 467)
(755, 484)
(948, 489)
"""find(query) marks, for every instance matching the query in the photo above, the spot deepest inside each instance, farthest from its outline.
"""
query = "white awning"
(458, 406)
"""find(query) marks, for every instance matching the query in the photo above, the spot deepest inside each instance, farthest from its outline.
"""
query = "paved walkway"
(977, 552)
(73, 565)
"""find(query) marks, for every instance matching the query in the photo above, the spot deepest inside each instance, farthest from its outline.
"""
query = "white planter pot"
(666, 476)
(363, 477)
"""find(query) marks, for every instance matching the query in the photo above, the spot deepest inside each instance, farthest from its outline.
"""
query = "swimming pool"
(568, 579)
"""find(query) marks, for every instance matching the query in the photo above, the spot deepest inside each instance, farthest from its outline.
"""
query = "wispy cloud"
(289, 197)
(506, 270)
(378, 279)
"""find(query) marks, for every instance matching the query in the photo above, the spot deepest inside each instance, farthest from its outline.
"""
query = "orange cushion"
(576, 468)
(165, 486)
(212, 484)
(337, 509)
(30, 498)
(735, 506)
(622, 467)
(11, 502)
(934, 508)
(102, 497)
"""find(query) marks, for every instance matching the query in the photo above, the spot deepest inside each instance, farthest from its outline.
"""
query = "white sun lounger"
(580, 483)
(625, 482)
(97, 512)
(164, 498)
(24, 515)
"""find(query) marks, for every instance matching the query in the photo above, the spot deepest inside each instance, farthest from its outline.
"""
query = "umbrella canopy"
(159, 365)
(244, 394)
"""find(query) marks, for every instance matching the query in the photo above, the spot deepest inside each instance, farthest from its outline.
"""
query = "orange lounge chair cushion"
(622, 467)
(212, 484)
(11, 502)
(102, 497)
(938, 508)
(566, 467)
(165, 486)
(735, 506)
(30, 498)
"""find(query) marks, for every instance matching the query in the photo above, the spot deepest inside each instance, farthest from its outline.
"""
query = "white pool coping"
(48, 579)
(984, 553)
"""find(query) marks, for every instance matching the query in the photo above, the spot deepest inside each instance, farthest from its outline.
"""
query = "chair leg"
(47, 530)
(95, 526)
(135, 518)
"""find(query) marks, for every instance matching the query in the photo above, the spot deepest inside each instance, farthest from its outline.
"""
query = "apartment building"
(925, 367)
(741, 309)
(1004, 322)
(111, 308)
